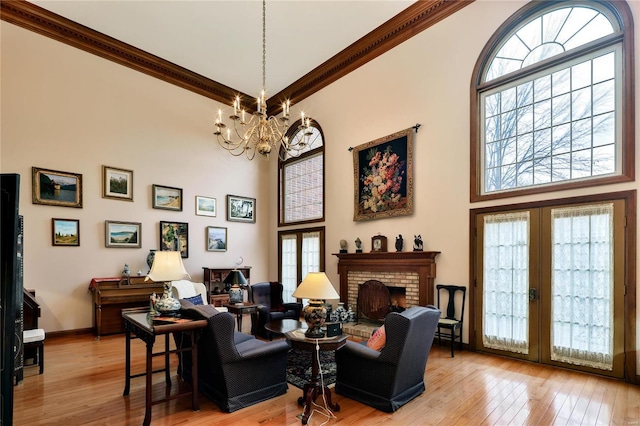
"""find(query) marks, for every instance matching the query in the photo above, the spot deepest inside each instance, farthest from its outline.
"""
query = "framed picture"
(216, 238)
(65, 232)
(56, 188)
(383, 177)
(122, 234)
(117, 183)
(174, 236)
(241, 209)
(205, 206)
(167, 198)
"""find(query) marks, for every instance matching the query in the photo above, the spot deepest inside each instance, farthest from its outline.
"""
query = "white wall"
(67, 110)
(424, 80)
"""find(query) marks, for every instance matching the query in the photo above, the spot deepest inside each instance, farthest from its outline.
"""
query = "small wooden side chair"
(451, 321)
(35, 339)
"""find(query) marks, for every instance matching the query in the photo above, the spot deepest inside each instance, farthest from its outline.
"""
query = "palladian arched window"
(551, 101)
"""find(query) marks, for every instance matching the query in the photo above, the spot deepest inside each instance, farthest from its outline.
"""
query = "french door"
(550, 285)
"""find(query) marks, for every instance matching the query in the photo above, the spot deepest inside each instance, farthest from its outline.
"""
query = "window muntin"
(301, 252)
(547, 35)
(549, 101)
(302, 179)
(555, 126)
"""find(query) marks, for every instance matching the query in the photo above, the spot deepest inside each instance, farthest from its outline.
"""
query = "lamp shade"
(316, 285)
(167, 266)
(235, 277)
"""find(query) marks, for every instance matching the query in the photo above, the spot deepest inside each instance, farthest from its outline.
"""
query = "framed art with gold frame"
(383, 177)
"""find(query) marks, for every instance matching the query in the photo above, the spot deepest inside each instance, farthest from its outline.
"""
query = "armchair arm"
(268, 349)
(361, 351)
(293, 306)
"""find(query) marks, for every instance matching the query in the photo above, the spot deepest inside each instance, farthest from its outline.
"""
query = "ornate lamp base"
(314, 314)
(167, 303)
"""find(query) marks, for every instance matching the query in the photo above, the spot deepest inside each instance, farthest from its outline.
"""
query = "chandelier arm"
(262, 133)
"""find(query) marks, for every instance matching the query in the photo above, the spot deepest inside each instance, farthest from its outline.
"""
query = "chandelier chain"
(261, 133)
(264, 44)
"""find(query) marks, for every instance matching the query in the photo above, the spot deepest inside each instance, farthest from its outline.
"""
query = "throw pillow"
(196, 300)
(378, 340)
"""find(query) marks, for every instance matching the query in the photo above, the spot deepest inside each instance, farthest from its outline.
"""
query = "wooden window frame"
(622, 13)
(281, 165)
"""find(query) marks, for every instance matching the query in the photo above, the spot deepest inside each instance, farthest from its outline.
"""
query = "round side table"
(314, 388)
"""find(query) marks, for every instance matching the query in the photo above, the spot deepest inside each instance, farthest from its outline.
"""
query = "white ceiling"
(222, 40)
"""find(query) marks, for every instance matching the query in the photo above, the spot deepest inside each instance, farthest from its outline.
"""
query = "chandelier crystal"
(261, 133)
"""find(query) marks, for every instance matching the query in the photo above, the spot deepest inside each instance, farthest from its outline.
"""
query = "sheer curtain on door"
(506, 282)
(582, 285)
(289, 267)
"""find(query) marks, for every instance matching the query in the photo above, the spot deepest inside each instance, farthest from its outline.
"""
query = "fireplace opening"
(376, 300)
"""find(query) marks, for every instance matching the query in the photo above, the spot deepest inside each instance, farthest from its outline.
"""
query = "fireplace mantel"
(422, 263)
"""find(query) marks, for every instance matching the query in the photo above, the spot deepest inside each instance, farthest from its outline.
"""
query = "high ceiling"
(222, 40)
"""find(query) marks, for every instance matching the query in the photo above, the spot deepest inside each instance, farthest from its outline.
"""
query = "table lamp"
(315, 287)
(234, 282)
(167, 266)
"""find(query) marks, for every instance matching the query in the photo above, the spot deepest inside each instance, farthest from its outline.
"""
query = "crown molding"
(408, 23)
(34, 18)
(413, 20)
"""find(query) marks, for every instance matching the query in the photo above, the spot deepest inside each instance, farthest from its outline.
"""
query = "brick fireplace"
(415, 272)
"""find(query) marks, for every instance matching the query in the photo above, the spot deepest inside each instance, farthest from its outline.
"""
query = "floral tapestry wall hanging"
(383, 177)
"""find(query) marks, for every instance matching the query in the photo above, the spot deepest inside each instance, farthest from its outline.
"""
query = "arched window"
(551, 101)
(302, 179)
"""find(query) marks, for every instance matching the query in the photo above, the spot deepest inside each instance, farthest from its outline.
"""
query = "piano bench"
(35, 339)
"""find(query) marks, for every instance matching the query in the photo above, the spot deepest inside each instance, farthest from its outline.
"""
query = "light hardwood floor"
(84, 378)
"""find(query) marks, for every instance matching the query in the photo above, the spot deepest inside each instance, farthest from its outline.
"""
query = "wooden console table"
(112, 295)
(140, 325)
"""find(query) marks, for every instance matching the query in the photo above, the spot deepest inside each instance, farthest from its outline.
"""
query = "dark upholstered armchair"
(235, 370)
(388, 379)
(268, 297)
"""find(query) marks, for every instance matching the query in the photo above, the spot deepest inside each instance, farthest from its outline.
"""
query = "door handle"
(533, 294)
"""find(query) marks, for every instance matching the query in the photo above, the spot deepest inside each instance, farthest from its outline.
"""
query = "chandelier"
(261, 133)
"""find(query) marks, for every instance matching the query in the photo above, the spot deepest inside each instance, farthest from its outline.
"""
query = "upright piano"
(111, 295)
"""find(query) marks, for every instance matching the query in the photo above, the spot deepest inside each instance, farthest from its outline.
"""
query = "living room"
(67, 110)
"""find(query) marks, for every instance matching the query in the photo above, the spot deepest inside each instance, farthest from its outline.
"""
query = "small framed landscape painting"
(56, 188)
(174, 236)
(122, 234)
(205, 206)
(65, 232)
(241, 209)
(216, 238)
(167, 198)
(117, 183)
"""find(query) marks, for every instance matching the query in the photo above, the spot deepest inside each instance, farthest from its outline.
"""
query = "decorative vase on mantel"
(167, 303)
(150, 257)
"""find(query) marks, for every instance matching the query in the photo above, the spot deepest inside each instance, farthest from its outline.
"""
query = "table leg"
(167, 372)
(313, 389)
(240, 322)
(194, 370)
(147, 404)
(127, 362)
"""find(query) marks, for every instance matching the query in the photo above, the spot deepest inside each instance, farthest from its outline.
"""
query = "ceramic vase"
(167, 303)
(341, 312)
(235, 294)
(150, 257)
(351, 316)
